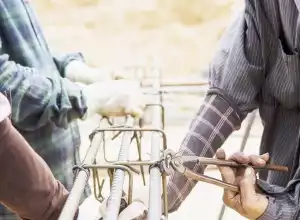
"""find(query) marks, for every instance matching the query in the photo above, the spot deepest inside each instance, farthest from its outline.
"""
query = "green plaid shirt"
(43, 101)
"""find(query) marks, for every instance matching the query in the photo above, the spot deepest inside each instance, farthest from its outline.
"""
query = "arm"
(236, 76)
(27, 185)
(37, 99)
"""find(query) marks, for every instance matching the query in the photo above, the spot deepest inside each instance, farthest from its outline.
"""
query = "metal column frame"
(130, 130)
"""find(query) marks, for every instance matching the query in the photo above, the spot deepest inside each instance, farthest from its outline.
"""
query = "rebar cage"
(129, 131)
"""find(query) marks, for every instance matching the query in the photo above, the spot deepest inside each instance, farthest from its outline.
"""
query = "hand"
(138, 208)
(114, 98)
(78, 71)
(90, 209)
(249, 202)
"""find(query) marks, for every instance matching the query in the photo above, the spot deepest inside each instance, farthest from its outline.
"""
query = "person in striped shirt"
(256, 66)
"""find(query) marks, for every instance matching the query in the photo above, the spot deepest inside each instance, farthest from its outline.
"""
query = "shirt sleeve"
(36, 99)
(283, 202)
(236, 75)
(27, 185)
(62, 60)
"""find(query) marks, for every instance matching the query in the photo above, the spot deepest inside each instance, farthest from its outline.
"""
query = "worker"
(44, 94)
(256, 66)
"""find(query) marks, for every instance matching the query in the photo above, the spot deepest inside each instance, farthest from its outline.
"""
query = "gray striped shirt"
(257, 66)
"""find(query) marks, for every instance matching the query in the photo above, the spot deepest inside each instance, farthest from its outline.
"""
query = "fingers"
(220, 154)
(265, 157)
(239, 157)
(228, 175)
(254, 160)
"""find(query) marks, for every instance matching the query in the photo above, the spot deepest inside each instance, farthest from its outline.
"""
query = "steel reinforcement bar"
(114, 201)
(155, 192)
(82, 176)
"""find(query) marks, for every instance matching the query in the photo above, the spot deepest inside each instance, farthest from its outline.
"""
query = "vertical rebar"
(81, 180)
(155, 202)
(114, 200)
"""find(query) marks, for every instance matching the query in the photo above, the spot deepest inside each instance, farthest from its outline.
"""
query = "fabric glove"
(114, 98)
(90, 209)
(78, 71)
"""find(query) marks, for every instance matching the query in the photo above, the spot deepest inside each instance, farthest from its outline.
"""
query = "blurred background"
(179, 35)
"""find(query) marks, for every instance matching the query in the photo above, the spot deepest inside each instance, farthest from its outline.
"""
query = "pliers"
(173, 162)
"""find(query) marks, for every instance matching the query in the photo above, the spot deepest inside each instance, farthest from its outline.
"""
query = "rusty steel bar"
(155, 202)
(117, 166)
(114, 200)
(81, 180)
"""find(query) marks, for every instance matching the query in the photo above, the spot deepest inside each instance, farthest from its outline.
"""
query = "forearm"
(27, 185)
(215, 121)
(36, 99)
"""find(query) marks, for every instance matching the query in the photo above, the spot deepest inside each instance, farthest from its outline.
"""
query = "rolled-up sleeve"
(36, 99)
(236, 76)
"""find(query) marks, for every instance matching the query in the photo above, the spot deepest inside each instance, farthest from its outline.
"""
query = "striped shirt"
(256, 66)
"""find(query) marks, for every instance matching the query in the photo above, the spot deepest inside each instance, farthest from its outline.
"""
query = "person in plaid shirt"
(45, 99)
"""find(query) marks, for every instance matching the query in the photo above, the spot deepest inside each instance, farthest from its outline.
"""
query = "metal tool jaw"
(170, 163)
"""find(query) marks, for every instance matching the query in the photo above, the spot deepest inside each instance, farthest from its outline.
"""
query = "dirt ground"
(178, 35)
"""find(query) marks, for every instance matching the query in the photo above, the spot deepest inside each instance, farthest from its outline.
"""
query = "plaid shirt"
(44, 103)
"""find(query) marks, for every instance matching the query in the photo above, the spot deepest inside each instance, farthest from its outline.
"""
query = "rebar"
(157, 181)
(80, 182)
(155, 202)
(114, 200)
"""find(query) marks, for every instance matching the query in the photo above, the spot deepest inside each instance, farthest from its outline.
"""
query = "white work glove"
(137, 210)
(114, 98)
(90, 209)
(78, 71)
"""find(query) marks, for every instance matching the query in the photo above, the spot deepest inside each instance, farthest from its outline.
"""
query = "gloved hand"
(90, 209)
(137, 210)
(78, 71)
(114, 98)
